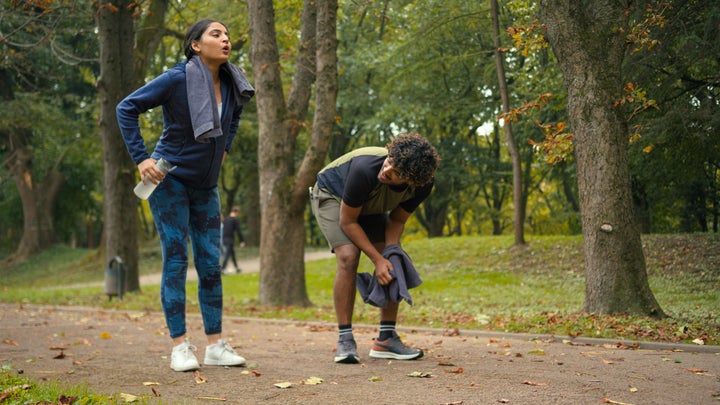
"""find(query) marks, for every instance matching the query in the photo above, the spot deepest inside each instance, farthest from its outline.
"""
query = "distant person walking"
(202, 99)
(361, 202)
(230, 228)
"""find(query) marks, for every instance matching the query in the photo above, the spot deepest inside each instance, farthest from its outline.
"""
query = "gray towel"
(405, 277)
(201, 97)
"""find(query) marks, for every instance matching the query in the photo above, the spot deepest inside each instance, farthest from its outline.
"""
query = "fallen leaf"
(446, 364)
(374, 379)
(283, 385)
(696, 370)
(128, 397)
(610, 401)
(535, 384)
(633, 389)
(61, 355)
(155, 393)
(608, 361)
(458, 370)
(199, 379)
(213, 398)
(493, 340)
(10, 342)
(149, 383)
(699, 341)
(313, 381)
(63, 400)
(537, 352)
(105, 335)
(420, 374)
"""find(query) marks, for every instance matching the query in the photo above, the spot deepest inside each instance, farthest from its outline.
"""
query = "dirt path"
(128, 352)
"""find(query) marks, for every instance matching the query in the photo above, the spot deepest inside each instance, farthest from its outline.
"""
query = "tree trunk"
(38, 197)
(283, 194)
(124, 61)
(518, 200)
(116, 38)
(588, 37)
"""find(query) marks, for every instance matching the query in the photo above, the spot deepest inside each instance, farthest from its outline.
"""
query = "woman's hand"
(149, 172)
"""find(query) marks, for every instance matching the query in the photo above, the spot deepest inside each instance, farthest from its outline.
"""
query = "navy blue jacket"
(198, 164)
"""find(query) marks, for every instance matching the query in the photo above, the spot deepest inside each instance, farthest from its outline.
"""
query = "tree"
(588, 40)
(121, 71)
(518, 200)
(42, 96)
(283, 189)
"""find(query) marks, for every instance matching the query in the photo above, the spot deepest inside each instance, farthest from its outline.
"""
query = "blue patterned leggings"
(179, 212)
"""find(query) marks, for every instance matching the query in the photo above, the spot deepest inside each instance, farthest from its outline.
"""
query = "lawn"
(472, 282)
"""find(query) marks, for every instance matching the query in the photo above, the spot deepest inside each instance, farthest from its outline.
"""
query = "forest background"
(426, 66)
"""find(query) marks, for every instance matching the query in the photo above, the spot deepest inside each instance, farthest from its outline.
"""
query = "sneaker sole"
(186, 368)
(376, 354)
(347, 359)
(219, 363)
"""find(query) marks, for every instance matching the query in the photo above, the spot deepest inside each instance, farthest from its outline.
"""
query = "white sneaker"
(183, 358)
(222, 354)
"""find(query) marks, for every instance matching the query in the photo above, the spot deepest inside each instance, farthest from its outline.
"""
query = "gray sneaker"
(394, 348)
(347, 350)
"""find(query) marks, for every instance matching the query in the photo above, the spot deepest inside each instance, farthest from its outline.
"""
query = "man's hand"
(382, 271)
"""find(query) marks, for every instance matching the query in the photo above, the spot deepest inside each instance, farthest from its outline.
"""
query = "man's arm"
(349, 224)
(396, 225)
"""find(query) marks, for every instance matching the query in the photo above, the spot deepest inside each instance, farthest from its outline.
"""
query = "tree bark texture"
(588, 40)
(283, 192)
(518, 200)
(117, 38)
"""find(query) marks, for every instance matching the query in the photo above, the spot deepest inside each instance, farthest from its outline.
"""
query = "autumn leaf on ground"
(105, 335)
(458, 370)
(374, 379)
(199, 379)
(213, 398)
(698, 371)
(537, 352)
(149, 383)
(10, 342)
(61, 355)
(420, 374)
(534, 383)
(63, 400)
(313, 381)
(128, 397)
(610, 401)
(283, 385)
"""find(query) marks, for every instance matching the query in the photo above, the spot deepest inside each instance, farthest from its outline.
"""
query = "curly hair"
(415, 159)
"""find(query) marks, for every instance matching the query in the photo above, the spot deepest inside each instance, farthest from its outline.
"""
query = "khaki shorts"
(326, 209)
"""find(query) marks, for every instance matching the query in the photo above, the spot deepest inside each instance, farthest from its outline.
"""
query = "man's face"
(389, 175)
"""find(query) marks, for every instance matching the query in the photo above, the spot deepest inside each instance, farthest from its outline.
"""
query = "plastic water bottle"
(144, 190)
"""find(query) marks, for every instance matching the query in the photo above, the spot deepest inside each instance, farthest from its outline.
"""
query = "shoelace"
(189, 347)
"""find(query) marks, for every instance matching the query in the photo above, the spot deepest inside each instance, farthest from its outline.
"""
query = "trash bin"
(114, 279)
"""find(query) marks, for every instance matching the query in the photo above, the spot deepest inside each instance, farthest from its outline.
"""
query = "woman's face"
(214, 45)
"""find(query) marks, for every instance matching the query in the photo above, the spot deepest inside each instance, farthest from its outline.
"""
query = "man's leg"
(344, 290)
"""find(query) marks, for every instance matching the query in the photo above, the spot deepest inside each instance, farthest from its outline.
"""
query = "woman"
(202, 99)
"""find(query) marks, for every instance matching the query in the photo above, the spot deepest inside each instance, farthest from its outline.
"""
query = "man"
(231, 227)
(361, 202)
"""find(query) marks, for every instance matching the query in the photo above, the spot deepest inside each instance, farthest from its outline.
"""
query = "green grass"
(17, 390)
(476, 282)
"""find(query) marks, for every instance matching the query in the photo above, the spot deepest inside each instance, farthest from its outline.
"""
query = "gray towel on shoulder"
(201, 96)
(405, 277)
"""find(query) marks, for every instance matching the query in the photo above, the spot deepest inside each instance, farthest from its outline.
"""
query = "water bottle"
(144, 190)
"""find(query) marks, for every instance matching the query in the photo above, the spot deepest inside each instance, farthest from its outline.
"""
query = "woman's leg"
(205, 237)
(169, 207)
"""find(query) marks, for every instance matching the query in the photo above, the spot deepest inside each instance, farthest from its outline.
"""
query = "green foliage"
(18, 390)
(468, 283)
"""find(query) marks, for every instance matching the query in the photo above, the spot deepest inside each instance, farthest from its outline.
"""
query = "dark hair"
(194, 33)
(415, 159)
